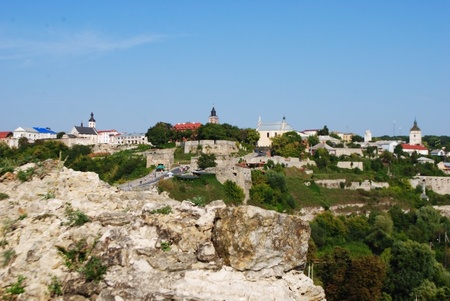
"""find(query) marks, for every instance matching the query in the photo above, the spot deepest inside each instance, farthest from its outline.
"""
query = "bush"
(76, 217)
(93, 270)
(198, 201)
(17, 288)
(26, 175)
(165, 246)
(3, 196)
(236, 193)
(55, 287)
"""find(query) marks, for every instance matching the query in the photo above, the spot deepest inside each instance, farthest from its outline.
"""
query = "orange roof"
(187, 126)
(414, 147)
(4, 135)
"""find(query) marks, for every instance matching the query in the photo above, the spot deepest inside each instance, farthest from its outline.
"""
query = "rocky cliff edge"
(66, 235)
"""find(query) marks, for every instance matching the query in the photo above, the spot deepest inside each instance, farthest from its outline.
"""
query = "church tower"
(415, 135)
(213, 118)
(92, 121)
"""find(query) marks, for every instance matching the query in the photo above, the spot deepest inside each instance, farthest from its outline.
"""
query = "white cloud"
(69, 45)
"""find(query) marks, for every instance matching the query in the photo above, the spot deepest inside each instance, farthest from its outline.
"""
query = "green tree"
(324, 131)
(249, 136)
(288, 145)
(212, 131)
(206, 160)
(161, 133)
(410, 264)
(236, 192)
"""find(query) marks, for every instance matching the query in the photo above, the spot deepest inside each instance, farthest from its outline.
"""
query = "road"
(151, 179)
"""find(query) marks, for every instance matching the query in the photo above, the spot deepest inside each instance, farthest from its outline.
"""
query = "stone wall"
(160, 156)
(365, 185)
(348, 151)
(439, 185)
(350, 165)
(218, 147)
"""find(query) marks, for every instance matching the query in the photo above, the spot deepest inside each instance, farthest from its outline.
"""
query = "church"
(415, 141)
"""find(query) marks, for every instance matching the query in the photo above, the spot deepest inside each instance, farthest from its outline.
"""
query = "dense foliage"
(162, 133)
(396, 255)
(269, 189)
(116, 168)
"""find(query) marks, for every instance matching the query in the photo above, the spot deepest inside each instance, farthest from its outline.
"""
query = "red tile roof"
(4, 135)
(187, 126)
(413, 147)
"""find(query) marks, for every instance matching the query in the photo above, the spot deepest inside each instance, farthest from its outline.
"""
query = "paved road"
(151, 179)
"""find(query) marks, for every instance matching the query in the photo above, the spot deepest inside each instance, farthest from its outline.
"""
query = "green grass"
(206, 188)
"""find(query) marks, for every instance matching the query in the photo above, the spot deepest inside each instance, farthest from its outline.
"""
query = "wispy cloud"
(69, 45)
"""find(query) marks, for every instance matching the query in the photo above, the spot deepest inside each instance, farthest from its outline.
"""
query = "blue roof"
(44, 130)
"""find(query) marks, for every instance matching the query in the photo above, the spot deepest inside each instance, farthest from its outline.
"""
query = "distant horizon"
(85, 124)
(350, 65)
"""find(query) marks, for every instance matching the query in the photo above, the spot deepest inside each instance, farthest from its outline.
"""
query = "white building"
(267, 131)
(107, 136)
(34, 133)
(132, 138)
(415, 135)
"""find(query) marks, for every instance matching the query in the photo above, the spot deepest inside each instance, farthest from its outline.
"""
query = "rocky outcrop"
(252, 239)
(143, 245)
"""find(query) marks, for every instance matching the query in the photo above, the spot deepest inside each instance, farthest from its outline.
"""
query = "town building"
(415, 135)
(132, 138)
(267, 131)
(107, 136)
(34, 133)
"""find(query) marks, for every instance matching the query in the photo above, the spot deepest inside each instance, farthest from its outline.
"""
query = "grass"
(17, 288)
(3, 196)
(8, 256)
(207, 188)
(79, 258)
(55, 287)
(164, 210)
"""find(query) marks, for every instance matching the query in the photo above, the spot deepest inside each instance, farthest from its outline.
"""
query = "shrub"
(165, 246)
(198, 201)
(76, 217)
(75, 256)
(55, 287)
(235, 192)
(93, 270)
(25, 175)
(17, 288)
(3, 196)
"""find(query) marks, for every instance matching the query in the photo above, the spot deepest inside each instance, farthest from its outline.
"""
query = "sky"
(350, 65)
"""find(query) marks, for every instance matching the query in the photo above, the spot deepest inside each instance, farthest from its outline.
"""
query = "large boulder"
(249, 238)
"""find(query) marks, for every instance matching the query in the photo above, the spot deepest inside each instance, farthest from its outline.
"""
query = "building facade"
(267, 131)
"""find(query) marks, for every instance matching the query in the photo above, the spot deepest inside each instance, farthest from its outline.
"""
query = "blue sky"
(350, 65)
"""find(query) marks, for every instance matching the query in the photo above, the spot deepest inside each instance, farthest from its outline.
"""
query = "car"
(160, 167)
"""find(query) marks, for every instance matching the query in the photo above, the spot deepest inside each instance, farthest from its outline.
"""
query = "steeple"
(415, 135)
(213, 118)
(415, 127)
(92, 121)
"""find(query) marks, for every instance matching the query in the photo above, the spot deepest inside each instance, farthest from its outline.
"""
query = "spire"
(415, 127)
(92, 121)
(92, 117)
(213, 112)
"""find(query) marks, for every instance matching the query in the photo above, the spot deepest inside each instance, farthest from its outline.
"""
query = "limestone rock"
(250, 238)
(190, 253)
